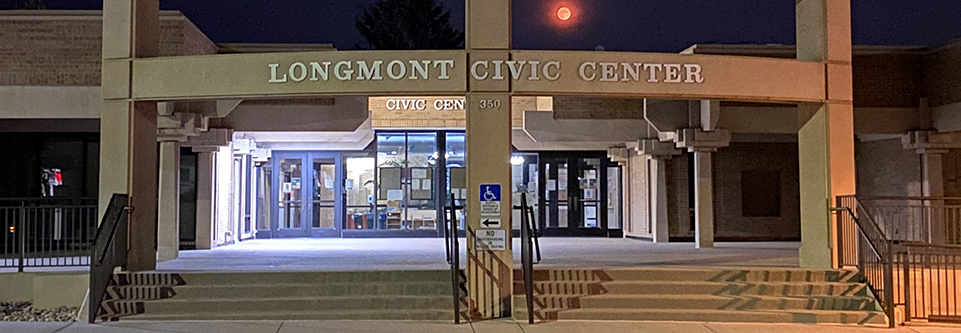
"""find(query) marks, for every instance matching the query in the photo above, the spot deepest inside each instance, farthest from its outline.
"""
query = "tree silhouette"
(408, 25)
(34, 4)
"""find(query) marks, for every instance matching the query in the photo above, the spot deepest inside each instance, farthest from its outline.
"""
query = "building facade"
(385, 166)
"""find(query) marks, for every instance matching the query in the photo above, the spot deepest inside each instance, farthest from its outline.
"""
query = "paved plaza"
(320, 254)
(498, 326)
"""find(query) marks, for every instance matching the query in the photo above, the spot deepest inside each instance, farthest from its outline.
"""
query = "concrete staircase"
(701, 294)
(377, 295)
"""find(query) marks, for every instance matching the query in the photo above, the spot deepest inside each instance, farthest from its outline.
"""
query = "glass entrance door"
(306, 194)
(573, 194)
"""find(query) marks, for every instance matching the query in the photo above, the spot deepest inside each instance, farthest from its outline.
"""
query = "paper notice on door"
(329, 183)
(463, 193)
(418, 173)
(395, 195)
(551, 185)
(415, 184)
(425, 185)
(562, 185)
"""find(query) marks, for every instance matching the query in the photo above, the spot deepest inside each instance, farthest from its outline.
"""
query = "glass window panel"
(291, 204)
(614, 198)
(323, 193)
(360, 192)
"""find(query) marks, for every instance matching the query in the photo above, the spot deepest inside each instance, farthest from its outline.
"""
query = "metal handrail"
(882, 249)
(453, 253)
(109, 251)
(921, 198)
(528, 236)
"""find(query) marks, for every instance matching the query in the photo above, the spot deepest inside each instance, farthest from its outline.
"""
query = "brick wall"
(679, 218)
(951, 166)
(67, 51)
(887, 80)
(636, 221)
(942, 71)
(729, 165)
(885, 168)
(569, 107)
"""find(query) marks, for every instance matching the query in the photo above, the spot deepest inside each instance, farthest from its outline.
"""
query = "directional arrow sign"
(491, 222)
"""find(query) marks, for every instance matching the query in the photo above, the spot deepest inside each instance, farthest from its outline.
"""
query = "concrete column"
(488, 104)
(932, 185)
(826, 133)
(658, 184)
(168, 204)
(703, 200)
(128, 128)
(205, 195)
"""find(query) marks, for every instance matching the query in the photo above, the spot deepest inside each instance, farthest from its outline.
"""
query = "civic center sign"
(410, 73)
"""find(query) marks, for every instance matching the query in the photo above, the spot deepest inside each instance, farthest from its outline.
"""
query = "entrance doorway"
(575, 195)
(307, 194)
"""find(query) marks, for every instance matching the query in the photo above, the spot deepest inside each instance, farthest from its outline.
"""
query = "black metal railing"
(931, 287)
(45, 233)
(529, 245)
(453, 254)
(901, 262)
(933, 220)
(109, 251)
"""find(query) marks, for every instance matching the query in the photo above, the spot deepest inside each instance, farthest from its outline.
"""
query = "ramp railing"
(46, 233)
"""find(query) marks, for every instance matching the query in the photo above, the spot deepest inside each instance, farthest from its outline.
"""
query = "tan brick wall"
(569, 107)
(636, 219)
(678, 203)
(729, 163)
(885, 168)
(942, 70)
(951, 165)
(67, 52)
(887, 80)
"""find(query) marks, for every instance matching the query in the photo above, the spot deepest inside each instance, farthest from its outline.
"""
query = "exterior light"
(517, 160)
(13, 229)
(564, 13)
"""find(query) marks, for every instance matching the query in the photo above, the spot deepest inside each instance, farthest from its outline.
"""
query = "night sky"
(618, 25)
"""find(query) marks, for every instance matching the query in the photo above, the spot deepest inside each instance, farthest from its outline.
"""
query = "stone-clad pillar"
(826, 129)
(658, 153)
(488, 108)
(128, 129)
(168, 205)
(702, 144)
(205, 194)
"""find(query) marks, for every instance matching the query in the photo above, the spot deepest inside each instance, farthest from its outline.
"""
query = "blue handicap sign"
(490, 192)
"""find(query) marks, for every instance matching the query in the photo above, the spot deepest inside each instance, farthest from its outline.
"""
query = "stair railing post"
(889, 284)
(454, 256)
(21, 238)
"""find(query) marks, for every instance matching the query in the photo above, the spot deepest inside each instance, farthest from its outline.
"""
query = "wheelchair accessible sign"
(490, 199)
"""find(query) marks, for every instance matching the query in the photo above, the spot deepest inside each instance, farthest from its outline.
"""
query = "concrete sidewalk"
(506, 326)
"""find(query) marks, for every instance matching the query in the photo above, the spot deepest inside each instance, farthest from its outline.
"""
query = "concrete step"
(699, 287)
(415, 288)
(696, 274)
(703, 302)
(869, 318)
(292, 304)
(418, 315)
(260, 278)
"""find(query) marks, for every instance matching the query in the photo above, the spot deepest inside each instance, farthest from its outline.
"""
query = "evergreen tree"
(34, 4)
(408, 25)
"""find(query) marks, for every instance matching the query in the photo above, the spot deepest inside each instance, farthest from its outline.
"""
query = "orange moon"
(564, 13)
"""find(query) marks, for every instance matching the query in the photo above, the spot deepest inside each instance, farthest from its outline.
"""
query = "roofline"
(787, 49)
(71, 15)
